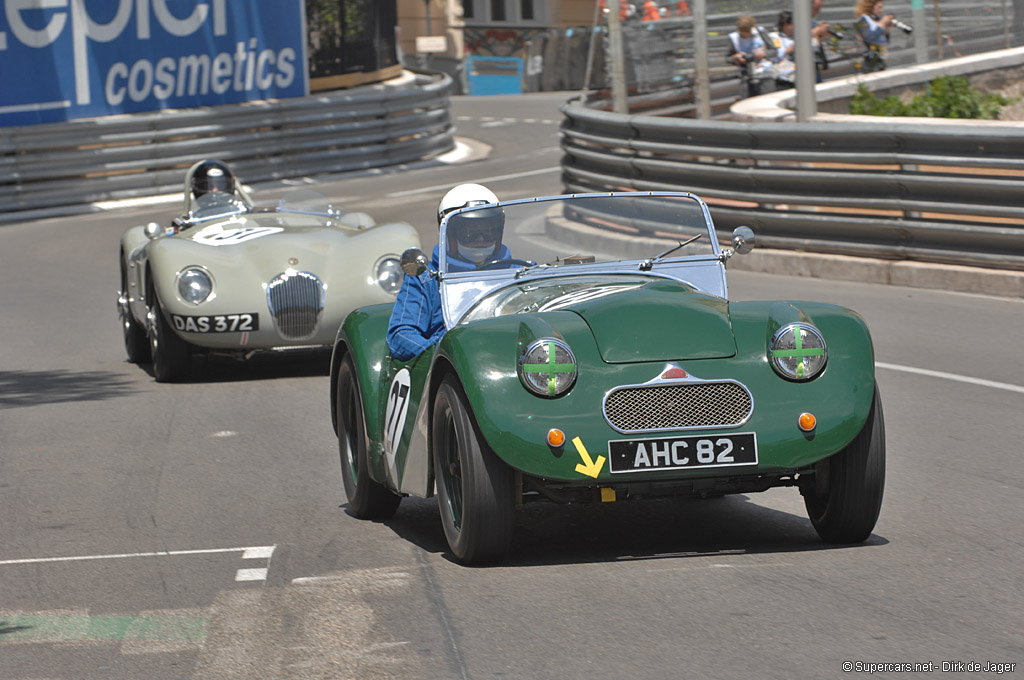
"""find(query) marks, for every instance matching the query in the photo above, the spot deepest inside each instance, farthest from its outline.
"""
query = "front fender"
(485, 355)
(363, 336)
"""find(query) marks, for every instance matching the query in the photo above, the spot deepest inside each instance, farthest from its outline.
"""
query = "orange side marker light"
(807, 421)
(556, 438)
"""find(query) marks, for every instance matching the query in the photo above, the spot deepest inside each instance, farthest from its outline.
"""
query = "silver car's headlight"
(194, 285)
(389, 274)
(547, 367)
(798, 351)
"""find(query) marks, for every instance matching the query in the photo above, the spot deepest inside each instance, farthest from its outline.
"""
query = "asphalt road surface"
(199, 530)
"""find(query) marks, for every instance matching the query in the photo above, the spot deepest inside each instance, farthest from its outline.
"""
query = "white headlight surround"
(195, 285)
(547, 368)
(388, 274)
(798, 352)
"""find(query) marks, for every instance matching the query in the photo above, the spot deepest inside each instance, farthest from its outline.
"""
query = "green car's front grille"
(678, 406)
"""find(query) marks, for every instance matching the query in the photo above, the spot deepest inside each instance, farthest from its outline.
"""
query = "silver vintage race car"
(227, 277)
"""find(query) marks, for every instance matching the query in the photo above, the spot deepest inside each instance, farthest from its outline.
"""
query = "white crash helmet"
(463, 196)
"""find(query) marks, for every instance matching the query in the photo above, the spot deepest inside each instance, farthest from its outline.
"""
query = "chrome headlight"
(389, 274)
(194, 285)
(798, 351)
(547, 367)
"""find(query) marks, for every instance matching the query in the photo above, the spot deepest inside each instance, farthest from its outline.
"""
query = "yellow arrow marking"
(588, 467)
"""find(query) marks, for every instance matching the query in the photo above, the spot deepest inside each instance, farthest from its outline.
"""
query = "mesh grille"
(670, 407)
(296, 301)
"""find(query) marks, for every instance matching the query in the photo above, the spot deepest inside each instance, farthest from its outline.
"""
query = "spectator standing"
(626, 10)
(873, 28)
(783, 46)
(819, 31)
(749, 52)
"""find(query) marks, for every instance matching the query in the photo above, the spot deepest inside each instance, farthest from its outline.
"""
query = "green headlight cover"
(547, 367)
(798, 351)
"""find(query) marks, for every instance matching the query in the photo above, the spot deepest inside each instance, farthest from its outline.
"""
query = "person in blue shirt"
(873, 28)
(416, 321)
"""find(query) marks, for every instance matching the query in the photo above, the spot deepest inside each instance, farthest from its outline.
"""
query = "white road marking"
(162, 553)
(490, 121)
(952, 376)
(482, 180)
(385, 577)
(251, 574)
(260, 552)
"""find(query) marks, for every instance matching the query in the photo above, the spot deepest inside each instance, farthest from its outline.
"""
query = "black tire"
(135, 342)
(846, 510)
(475, 488)
(367, 498)
(172, 356)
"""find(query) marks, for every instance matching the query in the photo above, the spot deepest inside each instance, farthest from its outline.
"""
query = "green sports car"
(588, 378)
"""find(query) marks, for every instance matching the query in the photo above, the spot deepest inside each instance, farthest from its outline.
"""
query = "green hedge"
(945, 97)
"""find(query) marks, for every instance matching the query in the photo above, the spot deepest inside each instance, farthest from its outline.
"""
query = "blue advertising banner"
(65, 59)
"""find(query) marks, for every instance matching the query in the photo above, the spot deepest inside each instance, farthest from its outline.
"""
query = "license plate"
(682, 453)
(220, 323)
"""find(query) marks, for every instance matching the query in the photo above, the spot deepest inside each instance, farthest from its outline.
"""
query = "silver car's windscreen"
(485, 248)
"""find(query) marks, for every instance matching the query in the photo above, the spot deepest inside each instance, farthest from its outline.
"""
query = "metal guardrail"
(98, 159)
(936, 193)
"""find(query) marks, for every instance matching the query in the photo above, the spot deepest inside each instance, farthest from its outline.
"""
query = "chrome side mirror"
(743, 240)
(414, 262)
(153, 230)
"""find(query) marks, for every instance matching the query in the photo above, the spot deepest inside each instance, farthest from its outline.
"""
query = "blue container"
(494, 75)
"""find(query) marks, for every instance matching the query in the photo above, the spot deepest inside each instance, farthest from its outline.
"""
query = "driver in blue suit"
(416, 320)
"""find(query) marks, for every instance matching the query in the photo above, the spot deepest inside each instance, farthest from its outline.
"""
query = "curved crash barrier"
(947, 193)
(98, 159)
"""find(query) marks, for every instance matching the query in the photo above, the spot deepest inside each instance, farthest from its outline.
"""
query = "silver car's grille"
(676, 406)
(296, 301)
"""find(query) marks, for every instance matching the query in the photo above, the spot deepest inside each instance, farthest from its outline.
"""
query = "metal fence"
(939, 193)
(659, 57)
(90, 160)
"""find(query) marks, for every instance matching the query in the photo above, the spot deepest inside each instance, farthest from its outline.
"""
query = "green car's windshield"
(483, 248)
(600, 228)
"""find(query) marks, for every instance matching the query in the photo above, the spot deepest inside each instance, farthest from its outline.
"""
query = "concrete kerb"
(996, 282)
